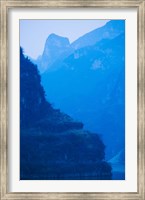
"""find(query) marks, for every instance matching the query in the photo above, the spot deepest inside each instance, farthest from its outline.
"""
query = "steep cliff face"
(34, 109)
(55, 46)
(93, 89)
(52, 145)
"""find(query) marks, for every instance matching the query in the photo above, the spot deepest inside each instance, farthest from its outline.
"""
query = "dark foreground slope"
(52, 145)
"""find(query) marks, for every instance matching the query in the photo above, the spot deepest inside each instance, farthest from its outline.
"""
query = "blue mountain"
(58, 48)
(111, 30)
(89, 86)
(53, 146)
(55, 47)
(86, 79)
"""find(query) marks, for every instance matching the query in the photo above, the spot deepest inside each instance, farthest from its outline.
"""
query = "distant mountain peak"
(56, 40)
(55, 46)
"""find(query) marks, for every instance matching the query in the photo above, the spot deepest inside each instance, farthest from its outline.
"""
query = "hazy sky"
(33, 33)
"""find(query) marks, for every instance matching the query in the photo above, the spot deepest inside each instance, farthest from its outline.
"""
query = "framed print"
(72, 103)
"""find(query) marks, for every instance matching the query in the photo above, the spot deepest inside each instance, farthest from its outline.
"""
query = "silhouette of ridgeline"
(52, 145)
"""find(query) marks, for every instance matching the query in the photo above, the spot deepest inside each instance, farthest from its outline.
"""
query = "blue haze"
(86, 80)
(33, 33)
(89, 84)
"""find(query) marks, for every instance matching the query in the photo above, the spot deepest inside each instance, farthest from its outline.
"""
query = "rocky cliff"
(53, 146)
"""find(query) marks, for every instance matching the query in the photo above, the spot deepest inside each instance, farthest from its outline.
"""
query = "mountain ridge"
(110, 30)
(88, 39)
(55, 46)
(97, 68)
(53, 146)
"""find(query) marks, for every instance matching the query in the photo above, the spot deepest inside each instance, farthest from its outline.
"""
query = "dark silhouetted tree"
(33, 105)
